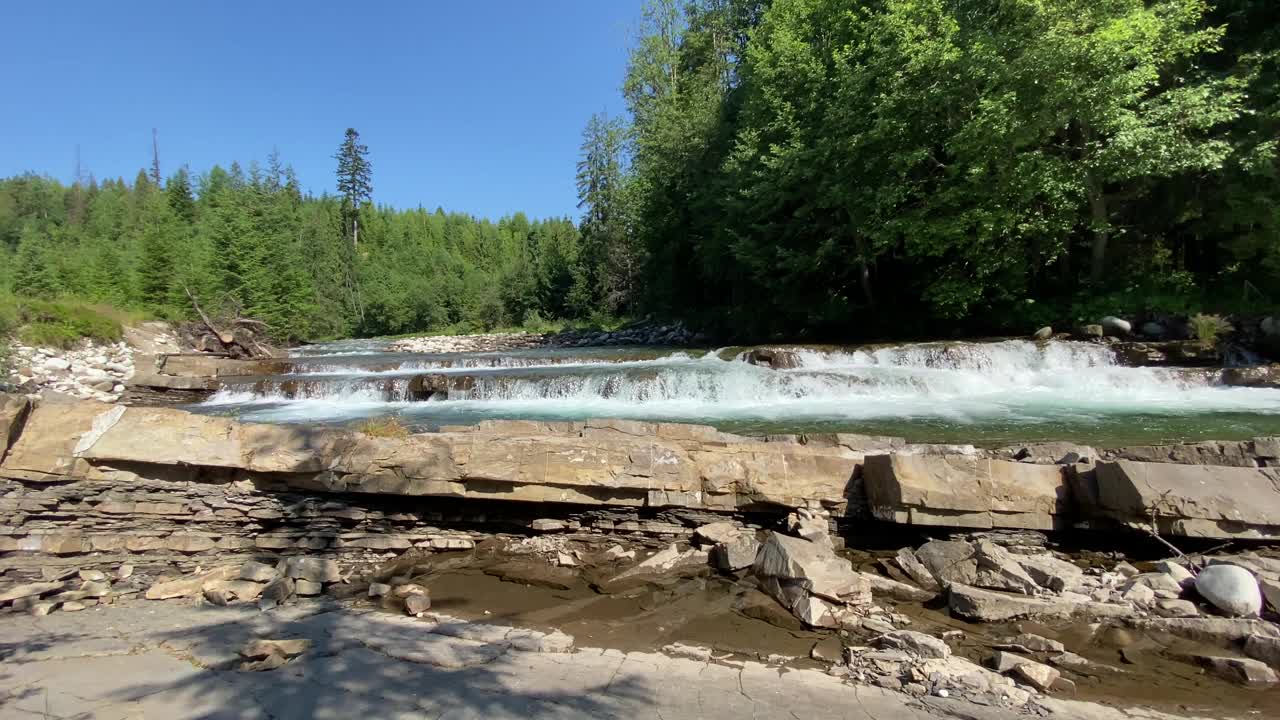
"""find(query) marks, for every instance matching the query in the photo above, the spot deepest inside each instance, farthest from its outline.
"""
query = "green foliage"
(1208, 328)
(250, 243)
(861, 168)
(64, 323)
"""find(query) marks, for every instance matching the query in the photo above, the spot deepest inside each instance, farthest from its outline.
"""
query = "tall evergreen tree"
(355, 180)
(608, 260)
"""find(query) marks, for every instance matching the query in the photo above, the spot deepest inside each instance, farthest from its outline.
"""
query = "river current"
(985, 393)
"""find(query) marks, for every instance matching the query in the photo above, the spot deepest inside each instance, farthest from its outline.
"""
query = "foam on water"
(1012, 382)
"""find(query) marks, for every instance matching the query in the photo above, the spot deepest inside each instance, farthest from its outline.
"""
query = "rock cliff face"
(87, 477)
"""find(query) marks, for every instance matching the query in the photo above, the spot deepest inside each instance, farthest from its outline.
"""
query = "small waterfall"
(1007, 384)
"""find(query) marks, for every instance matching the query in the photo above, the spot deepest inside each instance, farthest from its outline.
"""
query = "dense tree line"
(835, 168)
(311, 267)
(859, 167)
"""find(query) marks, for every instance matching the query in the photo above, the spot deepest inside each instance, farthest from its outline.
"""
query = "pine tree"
(181, 200)
(355, 180)
(35, 272)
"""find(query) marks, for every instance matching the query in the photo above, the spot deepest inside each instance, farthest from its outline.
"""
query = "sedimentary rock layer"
(78, 469)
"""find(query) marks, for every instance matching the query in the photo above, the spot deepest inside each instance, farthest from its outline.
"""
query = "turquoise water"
(982, 393)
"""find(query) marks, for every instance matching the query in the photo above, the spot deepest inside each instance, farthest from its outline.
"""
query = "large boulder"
(1190, 500)
(809, 580)
(1231, 589)
(1115, 326)
(811, 565)
(965, 491)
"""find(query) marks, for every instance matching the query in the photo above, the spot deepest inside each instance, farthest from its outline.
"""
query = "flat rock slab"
(965, 491)
(1192, 500)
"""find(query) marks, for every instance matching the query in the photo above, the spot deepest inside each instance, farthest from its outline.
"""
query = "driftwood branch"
(237, 337)
(226, 338)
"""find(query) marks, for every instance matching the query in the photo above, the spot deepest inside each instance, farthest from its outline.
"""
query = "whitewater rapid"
(1008, 384)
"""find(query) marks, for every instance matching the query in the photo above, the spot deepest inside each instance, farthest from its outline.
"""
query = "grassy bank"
(62, 323)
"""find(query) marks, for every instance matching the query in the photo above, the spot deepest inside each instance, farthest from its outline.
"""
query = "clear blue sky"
(474, 106)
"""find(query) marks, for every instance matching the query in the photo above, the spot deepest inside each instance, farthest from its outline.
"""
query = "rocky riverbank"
(677, 538)
(98, 371)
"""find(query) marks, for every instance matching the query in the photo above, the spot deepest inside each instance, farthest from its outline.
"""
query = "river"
(985, 393)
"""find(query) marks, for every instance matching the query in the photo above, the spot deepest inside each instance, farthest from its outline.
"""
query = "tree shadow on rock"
(371, 664)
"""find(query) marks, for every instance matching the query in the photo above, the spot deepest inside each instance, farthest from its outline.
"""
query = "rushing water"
(984, 393)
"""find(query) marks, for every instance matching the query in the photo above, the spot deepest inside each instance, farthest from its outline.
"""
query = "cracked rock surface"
(178, 660)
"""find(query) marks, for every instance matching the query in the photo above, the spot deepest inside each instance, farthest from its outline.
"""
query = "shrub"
(383, 427)
(63, 323)
(1208, 328)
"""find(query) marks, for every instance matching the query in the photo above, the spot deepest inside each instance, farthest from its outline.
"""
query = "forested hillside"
(858, 168)
(839, 169)
(252, 240)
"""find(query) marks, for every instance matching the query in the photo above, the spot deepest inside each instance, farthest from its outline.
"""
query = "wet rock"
(1079, 663)
(1216, 630)
(1239, 670)
(662, 562)
(1038, 643)
(1044, 333)
(1231, 589)
(916, 644)
(1115, 326)
(1090, 331)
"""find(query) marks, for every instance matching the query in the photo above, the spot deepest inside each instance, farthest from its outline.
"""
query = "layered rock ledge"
(80, 477)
